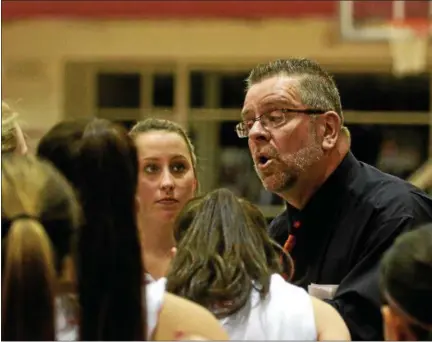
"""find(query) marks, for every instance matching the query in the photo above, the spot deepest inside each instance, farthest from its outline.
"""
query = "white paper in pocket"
(322, 291)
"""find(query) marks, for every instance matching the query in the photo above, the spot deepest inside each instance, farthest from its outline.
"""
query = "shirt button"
(296, 224)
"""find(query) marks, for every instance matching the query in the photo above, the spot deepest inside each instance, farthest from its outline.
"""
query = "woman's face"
(166, 177)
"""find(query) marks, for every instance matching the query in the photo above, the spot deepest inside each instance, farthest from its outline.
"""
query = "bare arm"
(329, 324)
(181, 317)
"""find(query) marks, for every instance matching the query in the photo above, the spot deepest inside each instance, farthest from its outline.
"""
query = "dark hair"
(60, 145)
(39, 215)
(406, 278)
(215, 265)
(316, 87)
(154, 124)
(101, 161)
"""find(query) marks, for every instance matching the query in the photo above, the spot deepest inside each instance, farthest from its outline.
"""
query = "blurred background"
(188, 60)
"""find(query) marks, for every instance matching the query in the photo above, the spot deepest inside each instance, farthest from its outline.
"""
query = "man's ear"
(332, 126)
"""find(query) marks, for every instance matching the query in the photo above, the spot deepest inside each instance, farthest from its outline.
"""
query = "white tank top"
(67, 329)
(286, 313)
(155, 292)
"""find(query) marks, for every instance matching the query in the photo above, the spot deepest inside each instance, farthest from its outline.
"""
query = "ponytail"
(39, 214)
(101, 161)
(28, 283)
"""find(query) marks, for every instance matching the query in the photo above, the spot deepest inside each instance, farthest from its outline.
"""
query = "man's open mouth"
(263, 161)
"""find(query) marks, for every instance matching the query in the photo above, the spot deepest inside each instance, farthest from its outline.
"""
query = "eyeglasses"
(273, 119)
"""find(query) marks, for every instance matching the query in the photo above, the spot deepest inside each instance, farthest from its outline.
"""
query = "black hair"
(406, 278)
(100, 160)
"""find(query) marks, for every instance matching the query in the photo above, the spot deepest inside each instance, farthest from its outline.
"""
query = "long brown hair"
(100, 160)
(186, 217)
(276, 256)
(222, 256)
(39, 214)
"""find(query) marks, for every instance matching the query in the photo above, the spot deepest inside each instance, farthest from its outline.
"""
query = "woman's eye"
(179, 168)
(150, 168)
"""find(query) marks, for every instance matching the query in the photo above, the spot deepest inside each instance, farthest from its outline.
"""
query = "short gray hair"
(317, 88)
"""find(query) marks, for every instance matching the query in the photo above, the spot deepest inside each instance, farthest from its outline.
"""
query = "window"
(228, 136)
(128, 124)
(163, 90)
(116, 90)
(192, 134)
(236, 170)
(403, 149)
(232, 90)
(398, 150)
(197, 92)
(365, 142)
(382, 92)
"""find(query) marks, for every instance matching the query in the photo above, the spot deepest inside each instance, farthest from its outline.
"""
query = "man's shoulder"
(387, 193)
(279, 225)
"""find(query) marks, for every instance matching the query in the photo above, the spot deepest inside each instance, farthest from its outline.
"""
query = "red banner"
(16, 9)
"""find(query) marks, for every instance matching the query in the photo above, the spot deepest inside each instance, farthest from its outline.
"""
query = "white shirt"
(67, 330)
(286, 313)
(155, 292)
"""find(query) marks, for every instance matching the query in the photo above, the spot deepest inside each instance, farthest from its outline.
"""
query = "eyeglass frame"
(284, 111)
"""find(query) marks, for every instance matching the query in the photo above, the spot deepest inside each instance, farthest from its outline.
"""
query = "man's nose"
(258, 132)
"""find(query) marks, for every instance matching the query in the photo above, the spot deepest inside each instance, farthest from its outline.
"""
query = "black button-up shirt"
(342, 233)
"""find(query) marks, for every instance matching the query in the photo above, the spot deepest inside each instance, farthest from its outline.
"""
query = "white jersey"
(155, 293)
(66, 322)
(67, 329)
(286, 313)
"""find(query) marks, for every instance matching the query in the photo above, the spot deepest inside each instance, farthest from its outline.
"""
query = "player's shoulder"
(279, 225)
(291, 306)
(191, 317)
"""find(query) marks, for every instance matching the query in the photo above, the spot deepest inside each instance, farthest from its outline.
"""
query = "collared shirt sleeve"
(358, 298)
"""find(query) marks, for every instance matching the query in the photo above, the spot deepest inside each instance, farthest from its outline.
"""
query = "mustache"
(268, 151)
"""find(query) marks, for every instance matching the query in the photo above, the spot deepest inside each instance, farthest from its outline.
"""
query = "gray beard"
(287, 171)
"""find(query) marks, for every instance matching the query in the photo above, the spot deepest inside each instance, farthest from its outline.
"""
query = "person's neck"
(156, 238)
(302, 192)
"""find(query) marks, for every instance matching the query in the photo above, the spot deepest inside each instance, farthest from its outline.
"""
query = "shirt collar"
(327, 197)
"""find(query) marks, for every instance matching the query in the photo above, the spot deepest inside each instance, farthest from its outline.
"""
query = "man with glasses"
(341, 214)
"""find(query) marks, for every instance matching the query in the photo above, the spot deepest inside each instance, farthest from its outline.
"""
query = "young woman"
(101, 161)
(226, 262)
(167, 180)
(406, 285)
(39, 216)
